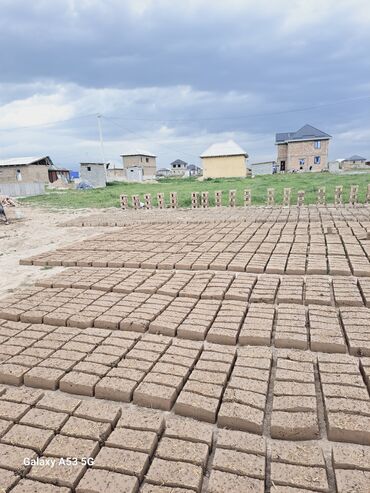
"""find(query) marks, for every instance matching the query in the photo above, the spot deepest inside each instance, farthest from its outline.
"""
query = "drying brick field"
(213, 351)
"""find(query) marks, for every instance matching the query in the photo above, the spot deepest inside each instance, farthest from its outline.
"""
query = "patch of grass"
(109, 196)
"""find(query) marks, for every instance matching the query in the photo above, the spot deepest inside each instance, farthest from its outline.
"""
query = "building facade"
(224, 160)
(23, 176)
(355, 163)
(179, 168)
(94, 174)
(139, 165)
(304, 150)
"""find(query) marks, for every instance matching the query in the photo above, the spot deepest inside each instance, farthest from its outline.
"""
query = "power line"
(39, 125)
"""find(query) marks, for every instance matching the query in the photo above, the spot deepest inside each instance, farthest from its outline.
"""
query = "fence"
(22, 189)
(201, 199)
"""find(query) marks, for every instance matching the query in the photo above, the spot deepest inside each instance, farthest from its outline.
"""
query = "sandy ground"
(35, 232)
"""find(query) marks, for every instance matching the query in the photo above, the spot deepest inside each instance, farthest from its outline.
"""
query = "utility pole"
(101, 142)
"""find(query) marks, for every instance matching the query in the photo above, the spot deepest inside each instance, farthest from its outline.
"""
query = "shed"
(263, 168)
(224, 160)
(94, 174)
(58, 174)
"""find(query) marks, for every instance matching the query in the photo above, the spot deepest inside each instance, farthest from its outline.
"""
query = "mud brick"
(66, 446)
(220, 482)
(22, 395)
(255, 373)
(98, 411)
(12, 411)
(97, 480)
(175, 381)
(288, 375)
(78, 383)
(345, 427)
(188, 429)
(8, 479)
(152, 488)
(252, 385)
(241, 463)
(43, 378)
(12, 374)
(101, 358)
(305, 454)
(245, 397)
(140, 441)
(85, 428)
(27, 436)
(30, 486)
(12, 457)
(294, 425)
(183, 451)
(93, 368)
(241, 441)
(240, 417)
(295, 403)
(175, 474)
(333, 390)
(351, 457)
(153, 395)
(208, 377)
(4, 426)
(206, 389)
(352, 480)
(294, 388)
(56, 402)
(142, 419)
(123, 461)
(62, 475)
(43, 418)
(197, 406)
(343, 379)
(299, 476)
(116, 389)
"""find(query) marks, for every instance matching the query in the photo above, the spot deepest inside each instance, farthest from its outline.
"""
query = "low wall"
(22, 189)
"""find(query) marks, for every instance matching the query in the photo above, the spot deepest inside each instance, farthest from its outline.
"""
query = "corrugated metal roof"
(18, 161)
(229, 148)
(356, 157)
(138, 152)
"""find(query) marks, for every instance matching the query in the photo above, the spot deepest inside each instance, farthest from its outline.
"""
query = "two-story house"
(139, 165)
(303, 150)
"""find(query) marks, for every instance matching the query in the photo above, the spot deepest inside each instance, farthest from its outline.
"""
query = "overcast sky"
(173, 77)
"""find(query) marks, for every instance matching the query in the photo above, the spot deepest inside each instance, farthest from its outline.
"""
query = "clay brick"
(221, 482)
(116, 389)
(153, 395)
(140, 441)
(183, 451)
(43, 378)
(152, 488)
(351, 457)
(12, 411)
(30, 486)
(240, 463)
(56, 402)
(197, 406)
(175, 474)
(42, 418)
(240, 417)
(97, 480)
(98, 411)
(299, 476)
(8, 479)
(123, 461)
(66, 446)
(28, 436)
(12, 457)
(188, 429)
(349, 480)
(61, 474)
(241, 441)
(142, 419)
(305, 454)
(343, 427)
(85, 428)
(12, 374)
(78, 383)
(294, 425)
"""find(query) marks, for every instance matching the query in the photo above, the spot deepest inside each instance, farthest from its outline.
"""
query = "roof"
(179, 161)
(228, 148)
(263, 162)
(193, 167)
(91, 164)
(307, 132)
(138, 152)
(356, 157)
(19, 161)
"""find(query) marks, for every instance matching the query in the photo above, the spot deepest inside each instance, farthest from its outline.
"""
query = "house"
(23, 176)
(263, 168)
(163, 172)
(303, 150)
(115, 173)
(224, 160)
(179, 168)
(58, 174)
(139, 165)
(94, 174)
(355, 162)
(194, 170)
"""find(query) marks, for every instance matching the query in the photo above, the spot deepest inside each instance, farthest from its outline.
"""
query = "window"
(89, 168)
(18, 175)
(317, 159)
(147, 159)
(301, 162)
(317, 144)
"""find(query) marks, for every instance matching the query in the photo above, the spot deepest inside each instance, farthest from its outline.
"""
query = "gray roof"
(307, 132)
(179, 161)
(356, 157)
(19, 161)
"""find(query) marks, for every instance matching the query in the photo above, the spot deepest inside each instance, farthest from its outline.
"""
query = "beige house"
(355, 163)
(303, 150)
(224, 160)
(139, 165)
(24, 175)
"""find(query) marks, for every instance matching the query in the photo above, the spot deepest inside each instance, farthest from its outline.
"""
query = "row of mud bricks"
(201, 200)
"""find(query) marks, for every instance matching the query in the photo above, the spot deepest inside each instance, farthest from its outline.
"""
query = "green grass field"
(109, 196)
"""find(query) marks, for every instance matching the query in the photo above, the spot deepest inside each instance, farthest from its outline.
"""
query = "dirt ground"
(36, 231)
